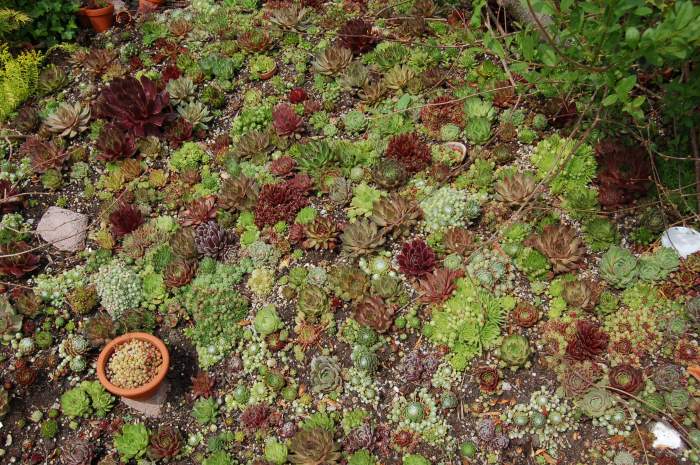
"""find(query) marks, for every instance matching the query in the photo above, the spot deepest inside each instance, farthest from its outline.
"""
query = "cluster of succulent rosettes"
(410, 151)
(119, 288)
(562, 245)
(397, 215)
(447, 208)
(491, 270)
(516, 189)
(133, 364)
(491, 434)
(361, 238)
(419, 413)
(372, 311)
(546, 417)
(416, 258)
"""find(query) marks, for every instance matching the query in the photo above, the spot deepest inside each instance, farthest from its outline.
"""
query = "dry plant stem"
(696, 156)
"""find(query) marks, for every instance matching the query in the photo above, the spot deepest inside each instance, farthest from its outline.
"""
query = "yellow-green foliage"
(11, 20)
(18, 78)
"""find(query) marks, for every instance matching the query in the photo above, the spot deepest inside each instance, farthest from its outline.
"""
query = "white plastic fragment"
(665, 437)
(686, 241)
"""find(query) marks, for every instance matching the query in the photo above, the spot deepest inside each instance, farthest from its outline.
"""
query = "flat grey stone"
(153, 406)
(64, 229)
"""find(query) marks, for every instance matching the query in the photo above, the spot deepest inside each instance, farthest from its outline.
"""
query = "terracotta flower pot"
(459, 148)
(148, 389)
(147, 6)
(101, 19)
(269, 74)
(83, 20)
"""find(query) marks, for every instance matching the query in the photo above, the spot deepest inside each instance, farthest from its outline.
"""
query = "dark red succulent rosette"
(416, 259)
(589, 341)
(281, 202)
(136, 105)
(125, 219)
(410, 151)
(626, 378)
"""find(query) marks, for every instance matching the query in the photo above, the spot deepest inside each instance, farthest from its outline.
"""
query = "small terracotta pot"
(147, 6)
(269, 74)
(101, 19)
(83, 20)
(459, 148)
(142, 392)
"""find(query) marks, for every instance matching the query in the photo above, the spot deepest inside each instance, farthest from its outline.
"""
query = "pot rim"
(147, 388)
(98, 11)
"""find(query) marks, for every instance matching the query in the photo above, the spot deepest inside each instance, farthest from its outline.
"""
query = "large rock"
(64, 229)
